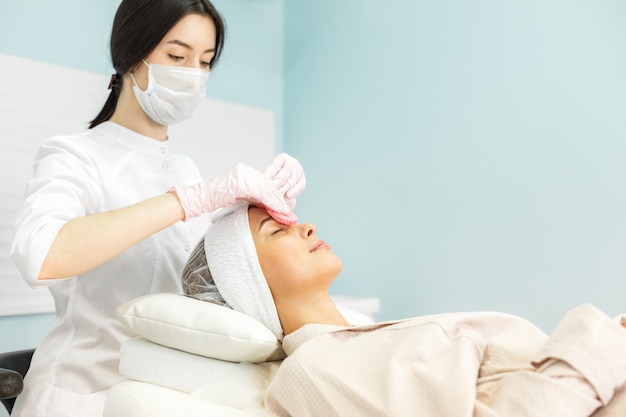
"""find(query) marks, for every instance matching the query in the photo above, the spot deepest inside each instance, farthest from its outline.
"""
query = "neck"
(297, 312)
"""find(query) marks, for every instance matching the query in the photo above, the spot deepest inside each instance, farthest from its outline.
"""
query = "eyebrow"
(265, 220)
(186, 45)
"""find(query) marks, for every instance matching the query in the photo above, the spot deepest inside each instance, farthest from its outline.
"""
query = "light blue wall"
(72, 33)
(464, 155)
(75, 33)
(460, 155)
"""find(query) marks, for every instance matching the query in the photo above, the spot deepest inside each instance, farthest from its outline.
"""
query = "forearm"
(559, 391)
(86, 242)
(578, 369)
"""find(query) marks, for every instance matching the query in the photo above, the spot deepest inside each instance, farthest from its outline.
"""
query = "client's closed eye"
(280, 229)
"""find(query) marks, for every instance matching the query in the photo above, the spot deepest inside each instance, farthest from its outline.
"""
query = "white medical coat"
(104, 168)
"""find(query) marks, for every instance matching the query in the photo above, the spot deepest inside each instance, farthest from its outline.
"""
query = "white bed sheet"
(141, 399)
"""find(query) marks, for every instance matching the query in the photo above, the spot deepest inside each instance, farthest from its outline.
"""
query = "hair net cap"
(232, 259)
(197, 279)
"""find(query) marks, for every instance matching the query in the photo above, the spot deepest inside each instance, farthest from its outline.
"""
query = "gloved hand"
(239, 183)
(287, 174)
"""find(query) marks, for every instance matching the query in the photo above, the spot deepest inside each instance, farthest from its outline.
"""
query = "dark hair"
(138, 27)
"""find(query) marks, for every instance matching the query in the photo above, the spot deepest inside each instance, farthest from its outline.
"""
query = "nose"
(308, 230)
(192, 63)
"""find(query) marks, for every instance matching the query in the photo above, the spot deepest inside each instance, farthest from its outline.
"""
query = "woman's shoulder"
(78, 137)
(99, 140)
(68, 139)
(63, 146)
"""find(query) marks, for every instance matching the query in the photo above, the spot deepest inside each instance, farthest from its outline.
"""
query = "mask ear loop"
(149, 76)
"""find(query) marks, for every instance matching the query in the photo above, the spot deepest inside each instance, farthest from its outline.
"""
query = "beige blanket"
(462, 364)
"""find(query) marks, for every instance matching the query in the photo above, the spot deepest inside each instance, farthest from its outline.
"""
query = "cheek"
(141, 76)
(269, 268)
(271, 263)
(282, 272)
(276, 267)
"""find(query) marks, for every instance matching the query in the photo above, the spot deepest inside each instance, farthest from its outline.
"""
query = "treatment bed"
(193, 358)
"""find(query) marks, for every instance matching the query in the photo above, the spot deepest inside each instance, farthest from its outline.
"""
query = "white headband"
(234, 265)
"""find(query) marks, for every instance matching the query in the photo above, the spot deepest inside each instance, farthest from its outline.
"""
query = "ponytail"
(105, 114)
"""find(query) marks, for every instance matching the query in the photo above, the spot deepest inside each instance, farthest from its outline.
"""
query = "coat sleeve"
(64, 186)
(578, 370)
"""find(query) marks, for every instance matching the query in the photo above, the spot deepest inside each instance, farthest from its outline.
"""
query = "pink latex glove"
(239, 183)
(287, 174)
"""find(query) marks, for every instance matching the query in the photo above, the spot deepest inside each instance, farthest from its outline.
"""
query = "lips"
(319, 245)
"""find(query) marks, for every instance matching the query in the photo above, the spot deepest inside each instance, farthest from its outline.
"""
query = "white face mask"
(173, 93)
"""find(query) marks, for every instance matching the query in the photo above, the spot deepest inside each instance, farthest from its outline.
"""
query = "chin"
(339, 264)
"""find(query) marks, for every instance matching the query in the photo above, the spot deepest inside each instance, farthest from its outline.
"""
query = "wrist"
(173, 192)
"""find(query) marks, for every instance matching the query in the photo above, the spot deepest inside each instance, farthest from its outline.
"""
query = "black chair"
(13, 367)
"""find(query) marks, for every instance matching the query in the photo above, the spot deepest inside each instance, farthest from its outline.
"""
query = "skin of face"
(295, 262)
(190, 43)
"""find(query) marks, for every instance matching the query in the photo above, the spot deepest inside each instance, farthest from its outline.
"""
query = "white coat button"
(164, 166)
(187, 247)
(162, 150)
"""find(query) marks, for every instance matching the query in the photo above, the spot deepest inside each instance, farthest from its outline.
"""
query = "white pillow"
(199, 327)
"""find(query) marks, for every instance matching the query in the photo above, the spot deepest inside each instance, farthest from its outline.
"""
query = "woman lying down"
(458, 364)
